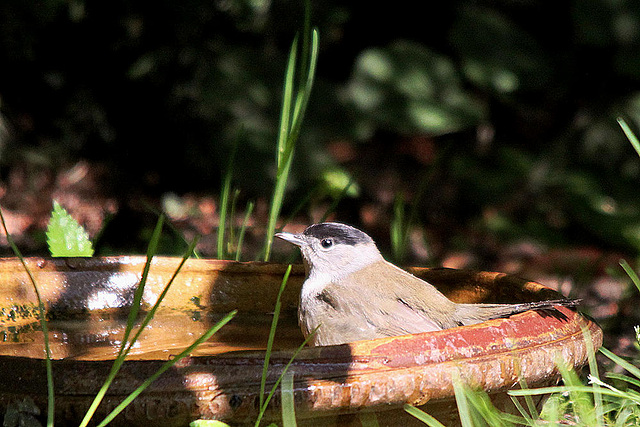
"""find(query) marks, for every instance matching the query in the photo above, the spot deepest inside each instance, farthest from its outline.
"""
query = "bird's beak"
(291, 238)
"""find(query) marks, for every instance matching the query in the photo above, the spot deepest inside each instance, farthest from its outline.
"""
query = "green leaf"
(65, 237)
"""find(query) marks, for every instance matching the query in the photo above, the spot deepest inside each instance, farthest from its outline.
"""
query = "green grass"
(204, 337)
(633, 139)
(243, 229)
(127, 344)
(402, 222)
(131, 337)
(287, 394)
(43, 325)
(297, 90)
(131, 319)
(422, 416)
(264, 401)
(591, 404)
(230, 245)
(224, 203)
(272, 334)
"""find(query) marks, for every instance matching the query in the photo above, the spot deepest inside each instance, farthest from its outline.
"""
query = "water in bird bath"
(97, 336)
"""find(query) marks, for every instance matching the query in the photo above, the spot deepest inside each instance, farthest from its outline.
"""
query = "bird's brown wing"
(397, 302)
(406, 320)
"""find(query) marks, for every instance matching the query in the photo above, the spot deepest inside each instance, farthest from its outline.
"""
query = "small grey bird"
(351, 293)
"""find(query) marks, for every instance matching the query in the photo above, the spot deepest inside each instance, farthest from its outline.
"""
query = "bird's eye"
(326, 243)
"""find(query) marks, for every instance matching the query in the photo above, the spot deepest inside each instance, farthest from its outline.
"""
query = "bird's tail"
(469, 314)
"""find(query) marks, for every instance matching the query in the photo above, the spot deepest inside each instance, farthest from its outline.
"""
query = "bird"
(352, 293)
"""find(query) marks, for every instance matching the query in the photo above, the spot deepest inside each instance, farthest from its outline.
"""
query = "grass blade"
(263, 409)
(43, 326)
(305, 40)
(284, 156)
(276, 204)
(272, 334)
(131, 319)
(303, 96)
(523, 412)
(156, 305)
(632, 274)
(232, 215)
(581, 402)
(276, 314)
(288, 401)
(166, 366)
(629, 133)
(466, 419)
(481, 410)
(139, 292)
(422, 416)
(633, 370)
(620, 377)
(224, 202)
(593, 370)
(308, 68)
(531, 411)
(243, 229)
(294, 102)
(570, 389)
(287, 98)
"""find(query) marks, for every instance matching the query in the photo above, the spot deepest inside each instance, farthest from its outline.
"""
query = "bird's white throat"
(314, 284)
(336, 267)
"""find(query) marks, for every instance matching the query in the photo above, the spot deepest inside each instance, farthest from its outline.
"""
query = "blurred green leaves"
(337, 183)
(526, 94)
(410, 89)
(498, 55)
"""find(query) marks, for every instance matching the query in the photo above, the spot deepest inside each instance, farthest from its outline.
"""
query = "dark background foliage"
(495, 120)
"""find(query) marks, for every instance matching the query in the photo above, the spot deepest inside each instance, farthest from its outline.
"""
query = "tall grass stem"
(295, 98)
(166, 366)
(43, 326)
(633, 139)
(243, 229)
(131, 319)
(287, 393)
(224, 201)
(272, 333)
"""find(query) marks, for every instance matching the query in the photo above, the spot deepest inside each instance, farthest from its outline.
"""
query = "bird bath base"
(88, 303)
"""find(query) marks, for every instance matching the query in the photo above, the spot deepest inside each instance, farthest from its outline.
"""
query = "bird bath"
(88, 302)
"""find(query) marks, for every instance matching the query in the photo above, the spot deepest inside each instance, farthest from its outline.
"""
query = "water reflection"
(97, 336)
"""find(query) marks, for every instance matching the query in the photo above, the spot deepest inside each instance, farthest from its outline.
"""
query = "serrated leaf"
(65, 237)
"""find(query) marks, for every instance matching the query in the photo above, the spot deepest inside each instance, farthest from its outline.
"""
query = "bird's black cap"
(340, 233)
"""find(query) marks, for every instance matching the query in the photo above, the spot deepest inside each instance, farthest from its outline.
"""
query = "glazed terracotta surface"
(88, 299)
